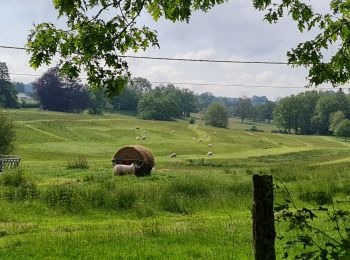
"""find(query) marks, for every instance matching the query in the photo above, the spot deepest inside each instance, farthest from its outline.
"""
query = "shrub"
(192, 121)
(79, 162)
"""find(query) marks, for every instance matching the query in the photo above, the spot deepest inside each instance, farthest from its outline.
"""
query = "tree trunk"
(263, 218)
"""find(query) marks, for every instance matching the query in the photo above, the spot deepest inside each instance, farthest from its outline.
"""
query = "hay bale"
(122, 169)
(138, 155)
(173, 155)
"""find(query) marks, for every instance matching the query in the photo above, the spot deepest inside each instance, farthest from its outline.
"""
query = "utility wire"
(196, 83)
(179, 59)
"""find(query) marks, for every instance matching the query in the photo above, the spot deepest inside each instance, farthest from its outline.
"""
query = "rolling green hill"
(192, 206)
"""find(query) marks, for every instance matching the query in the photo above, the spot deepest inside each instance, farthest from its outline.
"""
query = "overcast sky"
(231, 31)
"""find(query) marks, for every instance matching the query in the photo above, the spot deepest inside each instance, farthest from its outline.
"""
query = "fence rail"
(7, 162)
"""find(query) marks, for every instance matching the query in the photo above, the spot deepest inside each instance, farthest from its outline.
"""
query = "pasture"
(192, 206)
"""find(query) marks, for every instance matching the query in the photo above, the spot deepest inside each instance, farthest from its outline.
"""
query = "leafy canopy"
(98, 32)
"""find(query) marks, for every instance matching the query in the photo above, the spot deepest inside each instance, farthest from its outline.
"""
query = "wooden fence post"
(263, 218)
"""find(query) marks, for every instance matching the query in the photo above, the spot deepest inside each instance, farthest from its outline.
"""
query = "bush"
(7, 133)
(192, 121)
(254, 128)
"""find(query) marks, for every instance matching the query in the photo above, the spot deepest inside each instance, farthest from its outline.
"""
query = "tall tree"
(335, 119)
(244, 108)
(60, 94)
(286, 114)
(161, 103)
(216, 115)
(8, 92)
(343, 129)
(327, 104)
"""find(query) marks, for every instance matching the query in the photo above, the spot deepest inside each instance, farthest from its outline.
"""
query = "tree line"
(312, 112)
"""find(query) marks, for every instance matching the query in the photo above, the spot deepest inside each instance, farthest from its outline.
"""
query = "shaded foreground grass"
(190, 207)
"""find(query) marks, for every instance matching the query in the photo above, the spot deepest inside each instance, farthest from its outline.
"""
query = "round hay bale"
(138, 155)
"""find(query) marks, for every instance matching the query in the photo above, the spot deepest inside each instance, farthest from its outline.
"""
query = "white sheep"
(209, 153)
(200, 140)
(210, 145)
(144, 131)
(173, 155)
(214, 132)
(137, 138)
(143, 137)
(122, 169)
(193, 139)
(173, 131)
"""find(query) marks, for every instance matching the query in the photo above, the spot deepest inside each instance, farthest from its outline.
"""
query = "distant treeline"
(55, 93)
(310, 112)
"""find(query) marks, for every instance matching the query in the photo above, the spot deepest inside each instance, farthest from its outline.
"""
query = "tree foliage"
(100, 31)
(7, 133)
(335, 119)
(166, 103)
(244, 108)
(56, 93)
(216, 115)
(94, 39)
(343, 129)
(8, 92)
(333, 33)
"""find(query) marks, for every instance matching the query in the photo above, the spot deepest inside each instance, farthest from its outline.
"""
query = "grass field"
(190, 207)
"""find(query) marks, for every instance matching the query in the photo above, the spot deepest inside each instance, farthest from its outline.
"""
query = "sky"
(231, 31)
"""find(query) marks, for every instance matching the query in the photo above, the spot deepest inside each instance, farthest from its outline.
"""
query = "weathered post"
(263, 218)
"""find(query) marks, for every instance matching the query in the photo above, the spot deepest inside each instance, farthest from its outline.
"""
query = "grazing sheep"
(173, 155)
(144, 131)
(209, 153)
(173, 131)
(210, 145)
(137, 138)
(122, 169)
(143, 137)
(200, 140)
(214, 132)
(193, 138)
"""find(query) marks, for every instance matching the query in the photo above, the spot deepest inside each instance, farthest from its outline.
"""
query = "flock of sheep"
(172, 155)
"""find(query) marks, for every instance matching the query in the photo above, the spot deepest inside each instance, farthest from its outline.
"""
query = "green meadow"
(191, 207)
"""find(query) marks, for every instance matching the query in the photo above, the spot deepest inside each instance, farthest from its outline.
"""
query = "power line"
(180, 59)
(196, 83)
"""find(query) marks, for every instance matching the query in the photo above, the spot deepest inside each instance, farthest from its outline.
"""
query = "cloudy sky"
(231, 31)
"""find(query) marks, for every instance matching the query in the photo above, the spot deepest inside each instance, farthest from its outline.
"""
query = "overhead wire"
(180, 59)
